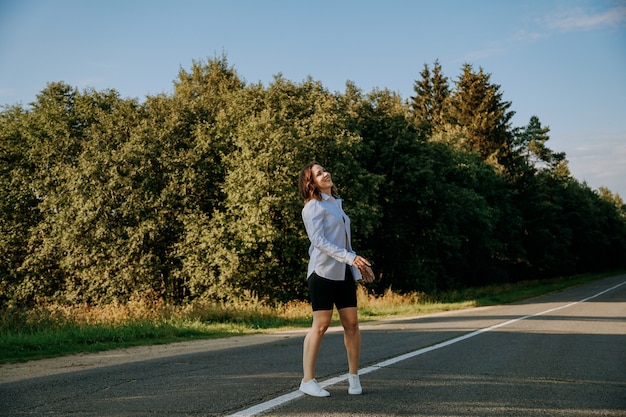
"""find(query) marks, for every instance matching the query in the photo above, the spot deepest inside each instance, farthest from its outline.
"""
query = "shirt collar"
(337, 201)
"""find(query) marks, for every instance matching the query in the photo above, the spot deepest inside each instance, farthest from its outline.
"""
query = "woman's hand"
(368, 274)
(365, 267)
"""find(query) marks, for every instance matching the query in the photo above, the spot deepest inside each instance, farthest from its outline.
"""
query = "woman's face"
(321, 179)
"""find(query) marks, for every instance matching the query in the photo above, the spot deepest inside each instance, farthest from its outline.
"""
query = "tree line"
(194, 194)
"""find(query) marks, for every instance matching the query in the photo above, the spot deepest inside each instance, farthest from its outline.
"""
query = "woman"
(332, 272)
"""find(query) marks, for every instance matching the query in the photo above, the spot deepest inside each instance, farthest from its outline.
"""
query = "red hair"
(306, 185)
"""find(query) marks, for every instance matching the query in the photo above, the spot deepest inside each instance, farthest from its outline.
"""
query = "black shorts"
(325, 293)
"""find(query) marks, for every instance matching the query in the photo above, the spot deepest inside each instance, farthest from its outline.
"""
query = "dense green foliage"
(194, 195)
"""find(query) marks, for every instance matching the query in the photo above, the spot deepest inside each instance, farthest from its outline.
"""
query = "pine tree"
(478, 110)
(530, 142)
(428, 106)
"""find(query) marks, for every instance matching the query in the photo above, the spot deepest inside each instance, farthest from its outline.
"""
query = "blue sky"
(561, 60)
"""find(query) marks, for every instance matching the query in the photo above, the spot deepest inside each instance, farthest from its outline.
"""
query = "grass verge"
(54, 330)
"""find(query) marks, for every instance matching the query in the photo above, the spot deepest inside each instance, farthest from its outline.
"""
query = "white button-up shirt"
(328, 228)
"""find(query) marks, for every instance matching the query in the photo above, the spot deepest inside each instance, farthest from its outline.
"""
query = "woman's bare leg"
(351, 337)
(313, 340)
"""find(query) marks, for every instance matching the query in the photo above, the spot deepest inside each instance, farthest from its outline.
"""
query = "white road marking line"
(283, 399)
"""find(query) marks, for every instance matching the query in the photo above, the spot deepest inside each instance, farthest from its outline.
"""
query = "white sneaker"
(313, 389)
(355, 385)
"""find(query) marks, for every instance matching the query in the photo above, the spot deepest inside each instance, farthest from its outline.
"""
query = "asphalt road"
(559, 355)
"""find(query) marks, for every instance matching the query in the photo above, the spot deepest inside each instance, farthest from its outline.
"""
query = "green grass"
(68, 339)
(52, 330)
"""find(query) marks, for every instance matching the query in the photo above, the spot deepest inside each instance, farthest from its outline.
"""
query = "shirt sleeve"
(314, 218)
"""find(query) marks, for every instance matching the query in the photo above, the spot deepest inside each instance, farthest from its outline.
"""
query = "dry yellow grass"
(257, 314)
(248, 308)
